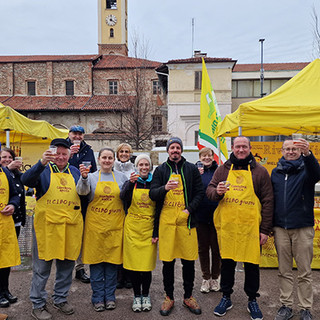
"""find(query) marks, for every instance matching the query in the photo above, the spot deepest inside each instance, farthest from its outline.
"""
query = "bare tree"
(316, 32)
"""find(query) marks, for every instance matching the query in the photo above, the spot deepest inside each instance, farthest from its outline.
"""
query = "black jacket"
(20, 212)
(293, 184)
(85, 154)
(206, 209)
(192, 186)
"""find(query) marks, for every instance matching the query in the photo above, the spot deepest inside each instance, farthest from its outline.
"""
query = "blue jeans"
(103, 278)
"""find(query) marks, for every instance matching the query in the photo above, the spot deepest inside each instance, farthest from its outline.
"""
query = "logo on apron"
(63, 181)
(144, 197)
(239, 179)
(107, 190)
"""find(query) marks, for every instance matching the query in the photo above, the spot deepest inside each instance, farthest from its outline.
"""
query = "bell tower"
(113, 27)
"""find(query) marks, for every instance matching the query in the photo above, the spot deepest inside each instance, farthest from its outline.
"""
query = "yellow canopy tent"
(294, 107)
(27, 138)
(20, 129)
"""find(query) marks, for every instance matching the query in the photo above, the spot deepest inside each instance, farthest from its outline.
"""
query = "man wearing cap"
(80, 152)
(58, 227)
(177, 189)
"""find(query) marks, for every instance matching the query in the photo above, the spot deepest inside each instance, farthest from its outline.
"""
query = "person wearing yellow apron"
(243, 220)
(103, 232)
(139, 248)
(177, 189)
(9, 248)
(58, 227)
(8, 160)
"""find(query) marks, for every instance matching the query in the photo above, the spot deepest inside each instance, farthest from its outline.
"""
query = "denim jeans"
(103, 278)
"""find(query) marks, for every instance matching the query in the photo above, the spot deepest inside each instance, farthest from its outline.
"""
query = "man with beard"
(177, 189)
(243, 220)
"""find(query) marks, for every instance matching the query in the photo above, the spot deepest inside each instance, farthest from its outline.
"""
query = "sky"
(222, 29)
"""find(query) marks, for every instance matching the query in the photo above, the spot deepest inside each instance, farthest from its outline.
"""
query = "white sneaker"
(215, 284)
(205, 287)
(136, 305)
(146, 303)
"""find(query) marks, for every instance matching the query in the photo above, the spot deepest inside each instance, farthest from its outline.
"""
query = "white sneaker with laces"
(136, 304)
(205, 287)
(215, 284)
(146, 303)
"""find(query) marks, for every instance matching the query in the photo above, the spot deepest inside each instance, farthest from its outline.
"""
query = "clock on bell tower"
(112, 32)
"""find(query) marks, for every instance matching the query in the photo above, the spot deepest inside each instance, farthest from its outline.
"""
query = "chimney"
(198, 53)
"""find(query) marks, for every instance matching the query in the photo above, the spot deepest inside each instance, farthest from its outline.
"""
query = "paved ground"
(80, 298)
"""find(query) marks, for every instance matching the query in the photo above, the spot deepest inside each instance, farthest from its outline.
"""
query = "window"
(156, 89)
(157, 123)
(252, 88)
(111, 33)
(197, 80)
(69, 87)
(196, 137)
(113, 87)
(111, 4)
(31, 88)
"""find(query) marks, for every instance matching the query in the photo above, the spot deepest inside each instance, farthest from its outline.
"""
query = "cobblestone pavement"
(80, 294)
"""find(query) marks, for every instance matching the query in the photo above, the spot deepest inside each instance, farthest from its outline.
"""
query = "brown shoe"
(192, 304)
(3, 316)
(167, 306)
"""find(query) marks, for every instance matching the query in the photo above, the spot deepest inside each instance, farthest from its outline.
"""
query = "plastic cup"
(76, 142)
(227, 184)
(200, 165)
(296, 137)
(175, 179)
(137, 172)
(86, 163)
(53, 149)
(18, 158)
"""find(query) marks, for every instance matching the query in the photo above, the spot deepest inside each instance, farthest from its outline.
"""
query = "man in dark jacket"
(80, 152)
(293, 182)
(243, 220)
(177, 189)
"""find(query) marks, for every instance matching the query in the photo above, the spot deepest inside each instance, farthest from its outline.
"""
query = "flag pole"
(219, 150)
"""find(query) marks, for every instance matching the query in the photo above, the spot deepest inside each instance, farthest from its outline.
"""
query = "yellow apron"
(103, 231)
(9, 248)
(237, 219)
(139, 254)
(176, 240)
(58, 221)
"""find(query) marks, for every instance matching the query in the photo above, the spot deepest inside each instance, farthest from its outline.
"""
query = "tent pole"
(240, 131)
(219, 151)
(7, 138)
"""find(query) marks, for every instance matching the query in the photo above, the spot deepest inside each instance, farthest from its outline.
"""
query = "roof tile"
(270, 66)
(66, 103)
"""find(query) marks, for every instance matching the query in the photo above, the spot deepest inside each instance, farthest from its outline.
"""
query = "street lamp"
(261, 69)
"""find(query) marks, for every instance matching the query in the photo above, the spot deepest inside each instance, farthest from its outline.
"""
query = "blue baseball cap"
(76, 129)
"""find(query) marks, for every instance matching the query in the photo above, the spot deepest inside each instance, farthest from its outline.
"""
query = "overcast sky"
(223, 29)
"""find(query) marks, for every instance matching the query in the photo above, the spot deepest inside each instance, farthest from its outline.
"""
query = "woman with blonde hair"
(123, 163)
(206, 231)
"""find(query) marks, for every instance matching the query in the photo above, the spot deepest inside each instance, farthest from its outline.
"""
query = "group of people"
(114, 218)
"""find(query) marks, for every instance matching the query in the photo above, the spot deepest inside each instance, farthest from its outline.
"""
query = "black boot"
(4, 303)
(10, 297)
(82, 276)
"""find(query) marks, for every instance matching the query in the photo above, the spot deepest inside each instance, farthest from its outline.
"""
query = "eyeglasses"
(290, 149)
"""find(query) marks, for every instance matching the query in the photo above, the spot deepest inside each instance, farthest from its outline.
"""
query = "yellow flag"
(209, 119)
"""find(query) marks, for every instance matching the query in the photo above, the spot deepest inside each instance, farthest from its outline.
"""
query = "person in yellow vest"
(177, 189)
(9, 248)
(58, 227)
(103, 232)
(243, 220)
(139, 248)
